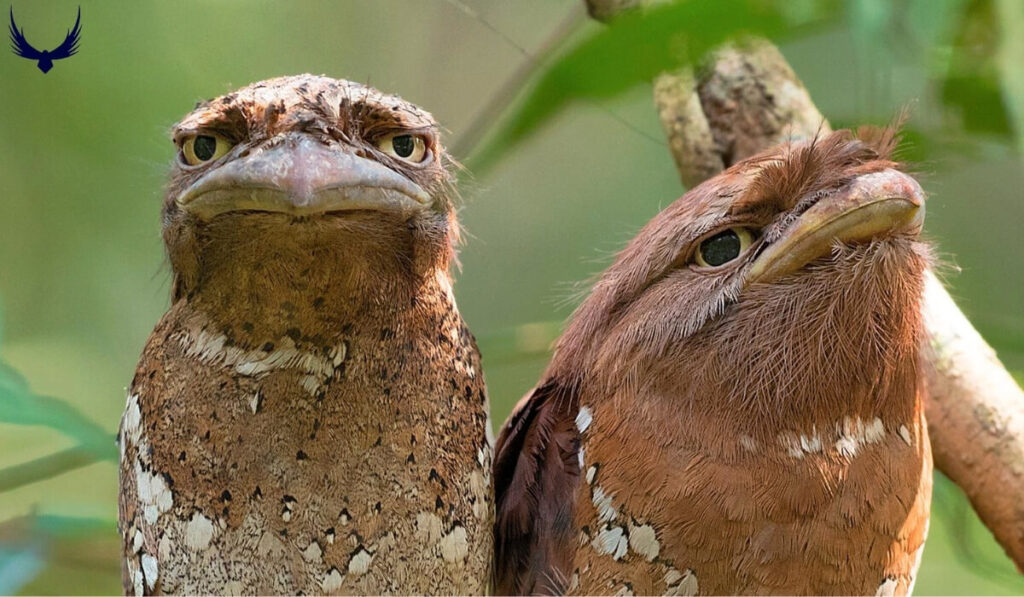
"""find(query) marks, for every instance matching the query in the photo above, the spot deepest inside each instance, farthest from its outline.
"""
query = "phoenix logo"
(45, 58)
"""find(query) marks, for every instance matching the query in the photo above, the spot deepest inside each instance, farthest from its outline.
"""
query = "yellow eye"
(409, 148)
(199, 149)
(723, 247)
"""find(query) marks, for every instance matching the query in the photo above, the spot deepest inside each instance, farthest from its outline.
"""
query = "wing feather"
(536, 472)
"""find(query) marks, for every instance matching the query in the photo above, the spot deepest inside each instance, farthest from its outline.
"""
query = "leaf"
(19, 564)
(71, 526)
(87, 548)
(46, 467)
(638, 46)
(983, 86)
(19, 406)
(1010, 59)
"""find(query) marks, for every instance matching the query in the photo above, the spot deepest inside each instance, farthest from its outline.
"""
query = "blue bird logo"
(45, 58)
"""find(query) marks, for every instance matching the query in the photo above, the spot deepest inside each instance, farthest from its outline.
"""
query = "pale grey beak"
(301, 176)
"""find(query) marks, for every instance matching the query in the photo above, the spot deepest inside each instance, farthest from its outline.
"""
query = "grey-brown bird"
(310, 414)
(736, 407)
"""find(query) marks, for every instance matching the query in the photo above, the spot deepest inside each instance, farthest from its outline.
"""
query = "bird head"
(308, 177)
(788, 282)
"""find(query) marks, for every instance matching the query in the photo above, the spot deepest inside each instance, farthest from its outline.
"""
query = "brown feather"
(742, 438)
(310, 415)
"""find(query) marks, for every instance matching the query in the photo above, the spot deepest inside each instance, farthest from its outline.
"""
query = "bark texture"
(746, 98)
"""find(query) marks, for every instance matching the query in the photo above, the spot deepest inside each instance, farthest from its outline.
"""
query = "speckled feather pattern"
(698, 435)
(310, 415)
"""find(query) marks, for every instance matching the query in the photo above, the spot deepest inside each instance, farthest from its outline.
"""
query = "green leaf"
(1010, 60)
(19, 564)
(19, 406)
(70, 526)
(983, 86)
(637, 47)
(46, 467)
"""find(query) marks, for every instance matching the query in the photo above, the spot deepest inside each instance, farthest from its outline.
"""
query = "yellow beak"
(873, 206)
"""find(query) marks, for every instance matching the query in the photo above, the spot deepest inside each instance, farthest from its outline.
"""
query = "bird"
(736, 407)
(45, 58)
(310, 414)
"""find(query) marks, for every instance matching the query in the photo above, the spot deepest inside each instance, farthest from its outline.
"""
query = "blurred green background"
(84, 149)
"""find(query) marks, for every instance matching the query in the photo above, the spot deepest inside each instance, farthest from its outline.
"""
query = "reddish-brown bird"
(736, 408)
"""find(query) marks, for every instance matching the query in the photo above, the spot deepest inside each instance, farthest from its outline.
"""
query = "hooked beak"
(872, 206)
(301, 176)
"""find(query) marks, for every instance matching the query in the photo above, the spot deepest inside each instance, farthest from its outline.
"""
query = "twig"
(485, 118)
(46, 467)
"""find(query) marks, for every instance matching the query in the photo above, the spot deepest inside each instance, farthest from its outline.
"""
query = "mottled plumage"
(746, 428)
(310, 415)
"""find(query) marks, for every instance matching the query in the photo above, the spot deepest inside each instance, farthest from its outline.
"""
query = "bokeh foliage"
(573, 169)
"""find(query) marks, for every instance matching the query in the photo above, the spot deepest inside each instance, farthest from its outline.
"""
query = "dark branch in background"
(749, 101)
(485, 118)
(47, 467)
(745, 99)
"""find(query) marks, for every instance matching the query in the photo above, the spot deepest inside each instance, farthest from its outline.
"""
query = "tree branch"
(485, 118)
(46, 467)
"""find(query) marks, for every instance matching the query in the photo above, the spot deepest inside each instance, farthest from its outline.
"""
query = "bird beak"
(301, 176)
(872, 206)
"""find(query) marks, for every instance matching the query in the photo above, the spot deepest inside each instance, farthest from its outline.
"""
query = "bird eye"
(199, 149)
(409, 148)
(724, 246)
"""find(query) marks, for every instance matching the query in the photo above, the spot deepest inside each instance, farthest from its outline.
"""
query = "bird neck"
(259, 278)
(315, 309)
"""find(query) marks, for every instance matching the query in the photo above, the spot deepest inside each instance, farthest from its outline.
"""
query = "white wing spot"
(874, 432)
(887, 588)
(428, 527)
(454, 546)
(605, 510)
(791, 444)
(360, 563)
(810, 444)
(905, 434)
(331, 582)
(611, 541)
(213, 349)
(153, 492)
(132, 425)
(847, 447)
(199, 532)
(584, 418)
(681, 585)
(644, 541)
(313, 553)
(149, 570)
